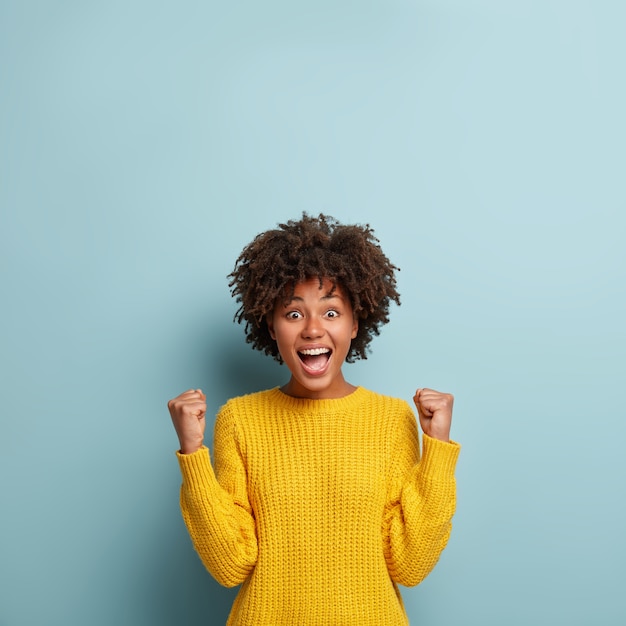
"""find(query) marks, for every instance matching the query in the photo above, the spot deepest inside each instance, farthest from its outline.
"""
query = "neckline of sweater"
(317, 406)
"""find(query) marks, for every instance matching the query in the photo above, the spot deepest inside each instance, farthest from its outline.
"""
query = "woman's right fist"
(188, 411)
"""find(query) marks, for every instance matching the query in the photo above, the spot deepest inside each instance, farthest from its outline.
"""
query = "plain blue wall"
(143, 144)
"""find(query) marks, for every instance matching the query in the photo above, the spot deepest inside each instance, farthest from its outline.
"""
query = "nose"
(312, 328)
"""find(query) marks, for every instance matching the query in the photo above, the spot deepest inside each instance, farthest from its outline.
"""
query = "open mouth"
(315, 359)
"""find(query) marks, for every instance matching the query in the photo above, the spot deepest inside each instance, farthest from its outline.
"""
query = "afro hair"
(276, 260)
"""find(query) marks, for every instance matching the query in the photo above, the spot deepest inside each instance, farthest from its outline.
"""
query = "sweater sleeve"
(422, 501)
(216, 508)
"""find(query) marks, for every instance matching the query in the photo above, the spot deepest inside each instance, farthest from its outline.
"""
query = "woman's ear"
(269, 320)
(355, 326)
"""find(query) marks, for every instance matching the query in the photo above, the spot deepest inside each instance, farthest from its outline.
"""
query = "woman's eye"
(293, 315)
(332, 314)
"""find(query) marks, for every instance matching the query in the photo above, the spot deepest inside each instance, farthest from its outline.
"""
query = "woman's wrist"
(189, 447)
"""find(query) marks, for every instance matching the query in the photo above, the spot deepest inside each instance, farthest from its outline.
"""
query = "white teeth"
(314, 351)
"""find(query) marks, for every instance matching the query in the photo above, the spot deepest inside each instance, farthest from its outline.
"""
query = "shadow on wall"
(233, 368)
(186, 593)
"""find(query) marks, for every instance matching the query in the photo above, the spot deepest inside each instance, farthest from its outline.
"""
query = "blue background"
(143, 144)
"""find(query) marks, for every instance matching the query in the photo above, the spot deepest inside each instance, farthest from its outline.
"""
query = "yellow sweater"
(319, 508)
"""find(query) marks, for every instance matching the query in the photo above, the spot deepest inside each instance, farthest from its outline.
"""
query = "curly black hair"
(269, 267)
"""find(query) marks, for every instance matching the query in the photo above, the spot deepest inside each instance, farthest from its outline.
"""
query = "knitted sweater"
(319, 508)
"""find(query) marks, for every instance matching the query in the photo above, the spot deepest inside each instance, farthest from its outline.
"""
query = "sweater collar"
(317, 406)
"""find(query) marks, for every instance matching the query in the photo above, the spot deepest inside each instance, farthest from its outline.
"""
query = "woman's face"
(313, 331)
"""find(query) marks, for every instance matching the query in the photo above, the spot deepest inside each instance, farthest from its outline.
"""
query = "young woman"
(319, 502)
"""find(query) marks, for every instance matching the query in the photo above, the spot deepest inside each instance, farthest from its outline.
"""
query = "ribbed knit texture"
(319, 507)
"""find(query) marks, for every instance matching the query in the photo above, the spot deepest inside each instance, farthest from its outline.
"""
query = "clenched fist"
(435, 412)
(188, 411)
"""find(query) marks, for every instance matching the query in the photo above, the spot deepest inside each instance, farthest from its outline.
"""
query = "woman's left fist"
(435, 412)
